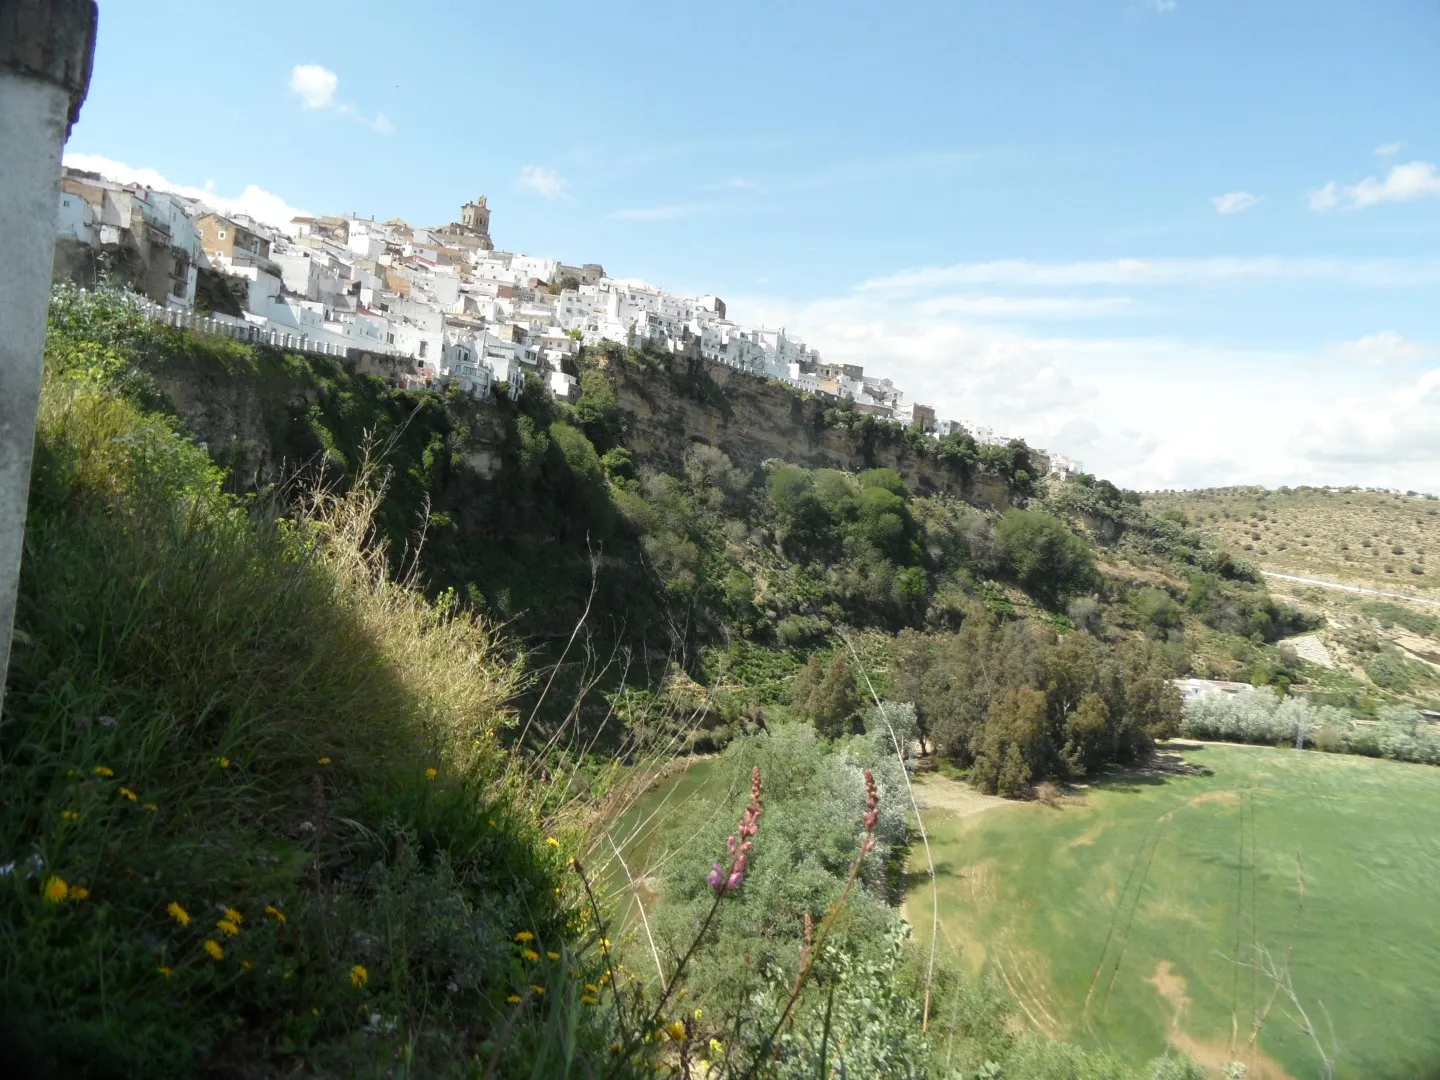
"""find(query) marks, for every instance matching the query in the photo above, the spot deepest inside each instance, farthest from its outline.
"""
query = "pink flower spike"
(716, 877)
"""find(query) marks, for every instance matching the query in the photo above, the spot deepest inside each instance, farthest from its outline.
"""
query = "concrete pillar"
(46, 50)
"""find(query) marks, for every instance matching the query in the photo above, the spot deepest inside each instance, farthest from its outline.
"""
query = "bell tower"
(475, 217)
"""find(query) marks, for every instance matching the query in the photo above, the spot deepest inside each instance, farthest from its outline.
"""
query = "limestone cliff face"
(754, 420)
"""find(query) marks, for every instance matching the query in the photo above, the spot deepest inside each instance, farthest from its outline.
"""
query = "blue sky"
(1188, 241)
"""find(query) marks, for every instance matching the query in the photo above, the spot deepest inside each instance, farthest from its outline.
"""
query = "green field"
(1135, 913)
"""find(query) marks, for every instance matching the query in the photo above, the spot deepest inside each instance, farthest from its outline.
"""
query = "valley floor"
(1182, 907)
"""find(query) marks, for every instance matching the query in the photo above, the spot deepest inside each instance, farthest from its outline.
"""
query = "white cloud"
(1383, 349)
(547, 183)
(1162, 271)
(660, 213)
(1325, 198)
(255, 201)
(1146, 412)
(1388, 149)
(1403, 183)
(315, 85)
(1026, 307)
(1234, 202)
(1389, 431)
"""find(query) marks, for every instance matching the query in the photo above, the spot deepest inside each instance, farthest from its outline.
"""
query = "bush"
(1044, 557)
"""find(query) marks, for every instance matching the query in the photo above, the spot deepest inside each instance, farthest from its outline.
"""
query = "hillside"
(1369, 644)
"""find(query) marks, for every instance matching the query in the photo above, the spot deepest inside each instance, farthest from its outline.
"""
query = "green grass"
(1331, 861)
(256, 818)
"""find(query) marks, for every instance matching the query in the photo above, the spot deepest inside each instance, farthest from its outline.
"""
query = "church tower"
(475, 217)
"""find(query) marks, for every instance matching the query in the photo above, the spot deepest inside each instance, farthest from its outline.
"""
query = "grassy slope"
(1302, 533)
(1192, 871)
(217, 710)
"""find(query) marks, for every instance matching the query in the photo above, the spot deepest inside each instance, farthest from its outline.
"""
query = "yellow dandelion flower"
(79, 892)
(275, 913)
(214, 948)
(530, 954)
(430, 774)
(552, 841)
(231, 915)
(586, 999)
(228, 927)
(513, 999)
(149, 806)
(592, 988)
(178, 913)
(605, 979)
(223, 762)
(553, 955)
(55, 889)
(323, 760)
(696, 1014)
(537, 989)
(104, 770)
(716, 1047)
(359, 976)
(164, 971)
(69, 815)
(524, 936)
(129, 794)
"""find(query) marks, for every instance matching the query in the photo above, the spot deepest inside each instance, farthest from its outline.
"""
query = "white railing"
(240, 330)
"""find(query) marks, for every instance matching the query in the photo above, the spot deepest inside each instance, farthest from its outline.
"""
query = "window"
(222, 234)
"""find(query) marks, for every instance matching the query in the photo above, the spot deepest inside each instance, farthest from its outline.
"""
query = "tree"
(830, 701)
(1043, 556)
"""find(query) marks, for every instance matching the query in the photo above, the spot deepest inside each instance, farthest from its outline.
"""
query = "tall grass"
(255, 809)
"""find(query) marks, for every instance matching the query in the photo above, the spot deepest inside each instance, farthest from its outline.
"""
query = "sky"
(1187, 242)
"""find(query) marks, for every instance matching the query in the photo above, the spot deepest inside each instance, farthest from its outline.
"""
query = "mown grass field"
(1135, 915)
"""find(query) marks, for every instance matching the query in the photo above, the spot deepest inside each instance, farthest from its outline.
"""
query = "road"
(1350, 588)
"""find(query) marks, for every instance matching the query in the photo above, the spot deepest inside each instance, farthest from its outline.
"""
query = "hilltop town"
(440, 299)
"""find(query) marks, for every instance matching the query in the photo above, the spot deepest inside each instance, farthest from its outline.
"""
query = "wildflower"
(739, 846)
(223, 762)
(430, 774)
(79, 892)
(227, 927)
(592, 988)
(55, 889)
(234, 916)
(178, 913)
(605, 979)
(553, 955)
(103, 770)
(106, 721)
(491, 821)
(164, 971)
(359, 976)
(716, 1048)
(605, 944)
(537, 989)
(513, 999)
(552, 841)
(214, 948)
(698, 1013)
(530, 954)
(676, 1030)
(586, 999)
(322, 760)
(275, 913)
(149, 806)
(129, 794)
(69, 815)
(524, 936)
(246, 964)
(871, 816)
